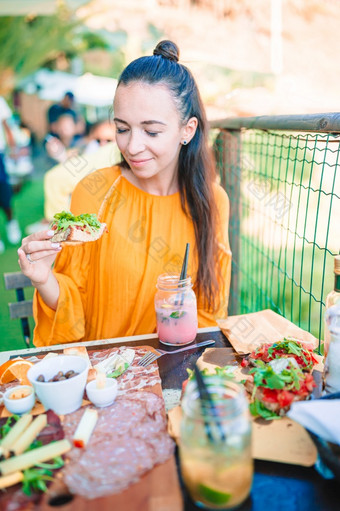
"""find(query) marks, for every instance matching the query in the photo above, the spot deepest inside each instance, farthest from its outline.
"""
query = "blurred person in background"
(6, 138)
(19, 164)
(99, 152)
(65, 106)
(63, 141)
(100, 134)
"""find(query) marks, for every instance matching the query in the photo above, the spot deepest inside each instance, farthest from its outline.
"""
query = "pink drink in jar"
(176, 310)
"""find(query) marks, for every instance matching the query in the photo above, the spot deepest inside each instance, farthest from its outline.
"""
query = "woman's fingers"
(23, 261)
(38, 246)
(37, 255)
(38, 236)
(36, 266)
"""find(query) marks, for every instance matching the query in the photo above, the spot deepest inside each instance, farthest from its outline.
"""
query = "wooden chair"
(22, 309)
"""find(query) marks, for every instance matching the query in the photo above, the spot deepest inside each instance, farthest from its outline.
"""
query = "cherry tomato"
(285, 398)
(270, 395)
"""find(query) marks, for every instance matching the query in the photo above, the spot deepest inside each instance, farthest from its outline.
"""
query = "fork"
(154, 355)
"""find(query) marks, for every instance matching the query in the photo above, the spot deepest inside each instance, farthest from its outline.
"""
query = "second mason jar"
(176, 310)
(215, 444)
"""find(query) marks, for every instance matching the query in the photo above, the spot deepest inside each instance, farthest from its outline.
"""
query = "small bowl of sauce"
(102, 391)
(19, 399)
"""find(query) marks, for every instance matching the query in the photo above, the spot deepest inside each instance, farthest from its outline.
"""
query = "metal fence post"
(228, 156)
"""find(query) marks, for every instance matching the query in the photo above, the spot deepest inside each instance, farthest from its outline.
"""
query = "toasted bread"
(74, 236)
(81, 351)
(92, 374)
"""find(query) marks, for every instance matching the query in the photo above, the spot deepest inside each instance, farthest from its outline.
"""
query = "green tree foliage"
(28, 43)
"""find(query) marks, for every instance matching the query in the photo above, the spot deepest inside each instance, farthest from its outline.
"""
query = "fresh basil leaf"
(34, 479)
(34, 445)
(120, 370)
(258, 409)
(57, 462)
(26, 488)
(41, 485)
(264, 375)
(177, 314)
(6, 428)
(274, 381)
(293, 347)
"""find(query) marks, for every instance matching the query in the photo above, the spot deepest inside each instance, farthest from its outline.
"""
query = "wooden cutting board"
(157, 490)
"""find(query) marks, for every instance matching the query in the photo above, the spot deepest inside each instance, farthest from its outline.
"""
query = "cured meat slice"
(136, 377)
(130, 438)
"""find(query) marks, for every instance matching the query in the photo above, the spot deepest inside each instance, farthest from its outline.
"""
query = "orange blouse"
(107, 287)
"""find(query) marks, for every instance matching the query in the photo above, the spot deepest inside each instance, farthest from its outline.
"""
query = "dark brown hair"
(196, 169)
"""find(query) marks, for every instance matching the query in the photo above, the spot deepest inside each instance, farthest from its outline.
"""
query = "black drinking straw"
(183, 275)
(206, 398)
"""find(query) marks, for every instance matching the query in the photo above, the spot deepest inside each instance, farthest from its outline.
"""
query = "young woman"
(160, 197)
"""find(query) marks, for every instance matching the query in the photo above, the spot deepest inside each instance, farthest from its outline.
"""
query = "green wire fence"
(283, 180)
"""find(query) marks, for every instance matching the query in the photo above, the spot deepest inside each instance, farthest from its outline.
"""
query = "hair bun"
(167, 50)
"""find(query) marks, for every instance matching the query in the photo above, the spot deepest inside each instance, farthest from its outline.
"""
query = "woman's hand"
(36, 256)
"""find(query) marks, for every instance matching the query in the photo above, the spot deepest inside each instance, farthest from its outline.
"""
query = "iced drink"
(215, 446)
(176, 325)
(176, 310)
(214, 479)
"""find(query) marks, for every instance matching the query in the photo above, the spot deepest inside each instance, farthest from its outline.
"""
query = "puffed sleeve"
(67, 322)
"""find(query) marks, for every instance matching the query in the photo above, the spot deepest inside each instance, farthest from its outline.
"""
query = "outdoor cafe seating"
(281, 176)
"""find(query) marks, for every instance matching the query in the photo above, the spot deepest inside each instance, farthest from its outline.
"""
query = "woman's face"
(148, 130)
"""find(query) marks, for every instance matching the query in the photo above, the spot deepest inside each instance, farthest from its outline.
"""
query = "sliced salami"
(129, 439)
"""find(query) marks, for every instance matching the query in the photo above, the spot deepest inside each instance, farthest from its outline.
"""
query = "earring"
(184, 142)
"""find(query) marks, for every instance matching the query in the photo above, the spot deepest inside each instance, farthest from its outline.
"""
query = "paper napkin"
(320, 416)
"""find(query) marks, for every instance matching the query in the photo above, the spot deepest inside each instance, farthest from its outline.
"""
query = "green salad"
(65, 219)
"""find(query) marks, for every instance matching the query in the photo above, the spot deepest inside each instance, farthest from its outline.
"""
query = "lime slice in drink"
(213, 496)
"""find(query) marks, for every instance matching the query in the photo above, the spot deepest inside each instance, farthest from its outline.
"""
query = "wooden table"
(276, 486)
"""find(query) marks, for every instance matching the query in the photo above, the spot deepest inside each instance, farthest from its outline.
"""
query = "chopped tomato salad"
(286, 397)
(287, 348)
(282, 374)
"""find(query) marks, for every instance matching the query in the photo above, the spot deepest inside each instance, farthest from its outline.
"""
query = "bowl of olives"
(59, 382)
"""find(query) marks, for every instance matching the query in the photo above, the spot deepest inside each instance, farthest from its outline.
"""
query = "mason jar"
(215, 446)
(176, 310)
